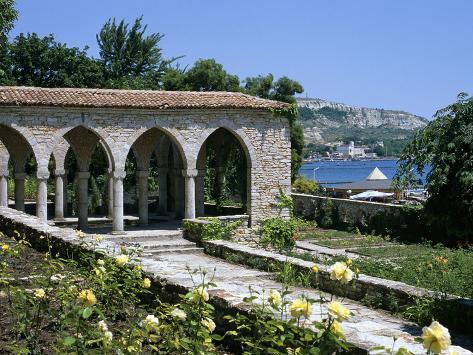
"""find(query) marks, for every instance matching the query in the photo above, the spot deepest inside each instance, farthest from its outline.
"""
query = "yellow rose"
(80, 234)
(200, 294)
(315, 269)
(5, 248)
(151, 323)
(98, 238)
(122, 259)
(300, 307)
(146, 283)
(39, 293)
(209, 324)
(274, 298)
(87, 297)
(436, 338)
(101, 262)
(338, 311)
(336, 328)
(341, 272)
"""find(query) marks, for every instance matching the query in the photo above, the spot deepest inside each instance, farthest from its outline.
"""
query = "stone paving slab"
(366, 328)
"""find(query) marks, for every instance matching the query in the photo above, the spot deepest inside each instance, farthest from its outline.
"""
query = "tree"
(208, 75)
(8, 15)
(284, 89)
(36, 61)
(129, 58)
(446, 145)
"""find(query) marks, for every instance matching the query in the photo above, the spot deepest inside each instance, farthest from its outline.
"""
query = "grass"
(433, 267)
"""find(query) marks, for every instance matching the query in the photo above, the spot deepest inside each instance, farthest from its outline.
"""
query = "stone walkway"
(168, 256)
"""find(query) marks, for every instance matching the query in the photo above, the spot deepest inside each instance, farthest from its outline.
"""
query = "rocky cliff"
(325, 121)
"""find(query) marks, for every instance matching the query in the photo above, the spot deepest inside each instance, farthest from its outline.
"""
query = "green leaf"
(87, 312)
(68, 341)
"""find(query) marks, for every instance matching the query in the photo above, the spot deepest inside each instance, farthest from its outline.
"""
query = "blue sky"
(414, 55)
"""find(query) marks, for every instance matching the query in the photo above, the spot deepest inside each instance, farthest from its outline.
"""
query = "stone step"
(185, 250)
(163, 237)
(167, 244)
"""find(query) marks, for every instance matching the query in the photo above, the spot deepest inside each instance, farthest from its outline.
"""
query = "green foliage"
(278, 232)
(446, 144)
(212, 229)
(305, 186)
(8, 15)
(131, 59)
(327, 214)
(44, 62)
(208, 75)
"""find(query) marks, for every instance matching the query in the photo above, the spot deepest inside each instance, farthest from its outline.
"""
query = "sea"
(331, 173)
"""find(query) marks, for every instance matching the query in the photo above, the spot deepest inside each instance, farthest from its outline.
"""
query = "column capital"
(42, 175)
(20, 176)
(59, 172)
(83, 175)
(142, 173)
(189, 173)
(119, 174)
(4, 173)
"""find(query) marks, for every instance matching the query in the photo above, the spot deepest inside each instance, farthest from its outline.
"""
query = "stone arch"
(239, 134)
(243, 142)
(25, 136)
(172, 134)
(104, 138)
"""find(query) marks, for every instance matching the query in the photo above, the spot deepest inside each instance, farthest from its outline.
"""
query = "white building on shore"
(350, 151)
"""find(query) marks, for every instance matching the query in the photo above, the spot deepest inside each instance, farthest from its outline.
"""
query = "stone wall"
(265, 138)
(355, 213)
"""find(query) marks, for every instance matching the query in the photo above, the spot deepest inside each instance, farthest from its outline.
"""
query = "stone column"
(4, 189)
(189, 176)
(179, 198)
(142, 176)
(163, 190)
(220, 179)
(118, 223)
(59, 195)
(200, 193)
(64, 202)
(83, 182)
(110, 194)
(20, 191)
(42, 195)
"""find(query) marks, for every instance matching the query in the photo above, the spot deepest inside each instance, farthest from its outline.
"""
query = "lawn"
(432, 267)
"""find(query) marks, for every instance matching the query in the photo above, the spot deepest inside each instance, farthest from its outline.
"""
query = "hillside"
(326, 121)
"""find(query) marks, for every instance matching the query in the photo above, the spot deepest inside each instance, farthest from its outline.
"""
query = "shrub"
(279, 232)
(305, 186)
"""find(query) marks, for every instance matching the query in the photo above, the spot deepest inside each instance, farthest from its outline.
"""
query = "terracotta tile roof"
(62, 97)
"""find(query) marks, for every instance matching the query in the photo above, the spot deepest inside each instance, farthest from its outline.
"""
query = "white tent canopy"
(368, 195)
(376, 174)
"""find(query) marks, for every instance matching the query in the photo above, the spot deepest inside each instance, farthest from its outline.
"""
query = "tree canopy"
(8, 15)
(446, 146)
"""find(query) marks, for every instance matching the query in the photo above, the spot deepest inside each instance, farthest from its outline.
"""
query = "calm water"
(331, 173)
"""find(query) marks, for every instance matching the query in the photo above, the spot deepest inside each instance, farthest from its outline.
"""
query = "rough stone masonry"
(174, 125)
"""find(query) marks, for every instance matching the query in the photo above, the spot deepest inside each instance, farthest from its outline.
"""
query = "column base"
(118, 232)
(60, 219)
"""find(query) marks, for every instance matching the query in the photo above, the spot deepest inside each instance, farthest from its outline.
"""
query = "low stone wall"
(349, 211)
(394, 296)
(193, 228)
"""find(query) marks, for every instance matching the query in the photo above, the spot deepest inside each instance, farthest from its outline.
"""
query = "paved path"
(366, 328)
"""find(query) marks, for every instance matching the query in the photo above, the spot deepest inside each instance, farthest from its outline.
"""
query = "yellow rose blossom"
(39, 293)
(151, 323)
(336, 328)
(98, 238)
(5, 248)
(87, 297)
(179, 314)
(341, 272)
(441, 260)
(209, 324)
(122, 259)
(274, 298)
(138, 267)
(300, 307)
(436, 338)
(315, 269)
(146, 283)
(80, 234)
(101, 262)
(338, 311)
(200, 294)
